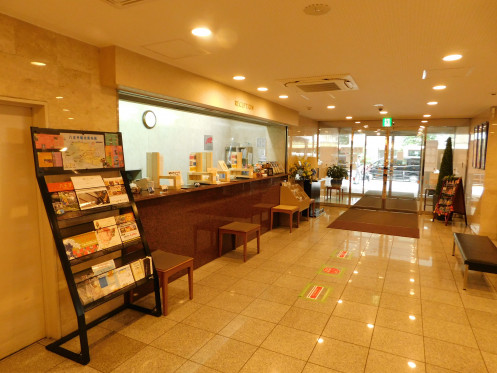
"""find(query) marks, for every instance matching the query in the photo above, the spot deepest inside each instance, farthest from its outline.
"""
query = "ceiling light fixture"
(424, 121)
(262, 89)
(316, 9)
(283, 96)
(201, 31)
(383, 112)
(423, 76)
(358, 122)
(37, 63)
(59, 97)
(439, 87)
(348, 117)
(426, 115)
(365, 126)
(239, 77)
(452, 57)
(330, 106)
(411, 364)
(432, 103)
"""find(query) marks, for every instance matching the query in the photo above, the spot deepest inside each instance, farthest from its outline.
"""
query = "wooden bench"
(478, 252)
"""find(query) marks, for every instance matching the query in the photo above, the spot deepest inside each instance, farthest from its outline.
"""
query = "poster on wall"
(483, 147)
(475, 147)
(208, 142)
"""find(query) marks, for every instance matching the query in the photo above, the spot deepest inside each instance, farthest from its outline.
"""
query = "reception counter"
(186, 221)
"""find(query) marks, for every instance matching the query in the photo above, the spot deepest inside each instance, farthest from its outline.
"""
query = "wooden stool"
(167, 264)
(242, 229)
(338, 188)
(286, 209)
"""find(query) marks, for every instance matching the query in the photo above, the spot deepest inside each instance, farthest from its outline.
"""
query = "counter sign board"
(387, 122)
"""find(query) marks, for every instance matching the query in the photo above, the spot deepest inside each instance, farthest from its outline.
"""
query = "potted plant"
(337, 174)
(446, 169)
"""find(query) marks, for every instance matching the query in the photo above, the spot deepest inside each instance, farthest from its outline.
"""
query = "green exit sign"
(387, 122)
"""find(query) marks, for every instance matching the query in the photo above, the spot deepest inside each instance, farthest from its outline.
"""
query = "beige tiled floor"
(395, 306)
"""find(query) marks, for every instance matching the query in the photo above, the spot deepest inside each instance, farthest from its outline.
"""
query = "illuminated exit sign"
(387, 122)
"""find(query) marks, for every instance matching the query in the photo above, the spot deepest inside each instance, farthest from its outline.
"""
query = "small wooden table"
(286, 209)
(167, 264)
(242, 229)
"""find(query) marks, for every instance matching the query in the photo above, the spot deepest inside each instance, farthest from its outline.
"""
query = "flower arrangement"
(302, 170)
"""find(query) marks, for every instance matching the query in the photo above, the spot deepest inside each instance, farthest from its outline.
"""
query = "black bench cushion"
(479, 252)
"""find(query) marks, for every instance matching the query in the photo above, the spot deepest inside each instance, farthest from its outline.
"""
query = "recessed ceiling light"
(239, 77)
(370, 326)
(365, 126)
(426, 115)
(412, 317)
(424, 121)
(424, 75)
(421, 126)
(357, 131)
(65, 109)
(59, 97)
(452, 57)
(439, 87)
(383, 112)
(432, 103)
(330, 107)
(70, 118)
(283, 96)
(348, 117)
(37, 63)
(316, 9)
(201, 31)
(358, 122)
(262, 89)
(320, 340)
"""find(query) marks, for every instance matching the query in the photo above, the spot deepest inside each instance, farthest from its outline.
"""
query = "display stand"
(54, 168)
(451, 200)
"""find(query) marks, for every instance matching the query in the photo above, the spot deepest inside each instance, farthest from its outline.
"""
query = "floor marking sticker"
(315, 292)
(342, 254)
(331, 271)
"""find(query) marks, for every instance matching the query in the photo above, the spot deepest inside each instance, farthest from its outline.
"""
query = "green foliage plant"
(446, 167)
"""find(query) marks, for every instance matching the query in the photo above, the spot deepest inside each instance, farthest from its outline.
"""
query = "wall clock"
(149, 119)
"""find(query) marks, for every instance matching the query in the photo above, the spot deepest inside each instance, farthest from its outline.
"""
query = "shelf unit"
(451, 200)
(73, 223)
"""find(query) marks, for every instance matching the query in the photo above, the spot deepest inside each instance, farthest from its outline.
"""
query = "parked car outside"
(403, 170)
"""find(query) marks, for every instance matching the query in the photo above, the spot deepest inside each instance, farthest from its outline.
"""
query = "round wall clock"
(149, 119)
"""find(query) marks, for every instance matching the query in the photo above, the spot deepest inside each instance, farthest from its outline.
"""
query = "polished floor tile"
(292, 342)
(393, 304)
(224, 354)
(268, 361)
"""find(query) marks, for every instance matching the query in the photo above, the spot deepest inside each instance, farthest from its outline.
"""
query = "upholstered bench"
(478, 252)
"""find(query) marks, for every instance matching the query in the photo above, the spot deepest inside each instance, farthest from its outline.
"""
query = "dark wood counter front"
(186, 221)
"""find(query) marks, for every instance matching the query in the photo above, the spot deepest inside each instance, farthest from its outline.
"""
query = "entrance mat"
(391, 204)
(377, 193)
(378, 221)
(317, 293)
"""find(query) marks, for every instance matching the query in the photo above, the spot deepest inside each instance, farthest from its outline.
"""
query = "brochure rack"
(451, 200)
(91, 153)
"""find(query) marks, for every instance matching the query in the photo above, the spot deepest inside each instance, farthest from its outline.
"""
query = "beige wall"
(72, 71)
(130, 71)
(481, 188)
(303, 139)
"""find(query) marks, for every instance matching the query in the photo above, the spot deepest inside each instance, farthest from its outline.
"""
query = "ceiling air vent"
(122, 3)
(326, 83)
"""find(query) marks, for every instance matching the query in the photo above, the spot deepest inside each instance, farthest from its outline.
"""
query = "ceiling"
(383, 44)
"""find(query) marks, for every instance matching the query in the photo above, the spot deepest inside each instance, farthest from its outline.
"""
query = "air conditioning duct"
(328, 83)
